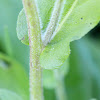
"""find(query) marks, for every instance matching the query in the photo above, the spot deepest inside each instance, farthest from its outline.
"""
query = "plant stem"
(60, 86)
(53, 22)
(36, 92)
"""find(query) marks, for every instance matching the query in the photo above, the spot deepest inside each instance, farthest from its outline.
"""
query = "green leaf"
(22, 30)
(13, 77)
(45, 11)
(54, 55)
(8, 95)
(82, 81)
(7, 42)
(45, 14)
(78, 21)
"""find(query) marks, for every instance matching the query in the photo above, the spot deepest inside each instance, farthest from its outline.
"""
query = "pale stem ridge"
(53, 21)
(34, 32)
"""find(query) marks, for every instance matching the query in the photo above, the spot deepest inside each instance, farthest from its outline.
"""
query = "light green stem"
(60, 86)
(36, 92)
(53, 22)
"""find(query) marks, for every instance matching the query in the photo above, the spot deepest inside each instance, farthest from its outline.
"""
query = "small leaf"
(22, 30)
(55, 55)
(9, 95)
(48, 79)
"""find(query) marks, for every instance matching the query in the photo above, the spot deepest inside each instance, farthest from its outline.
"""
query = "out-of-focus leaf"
(83, 81)
(49, 80)
(9, 10)
(49, 93)
(93, 49)
(78, 80)
(9, 95)
(7, 42)
(13, 77)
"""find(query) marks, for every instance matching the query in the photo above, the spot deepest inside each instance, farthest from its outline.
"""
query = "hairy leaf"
(72, 21)
(54, 55)
(22, 30)
(75, 24)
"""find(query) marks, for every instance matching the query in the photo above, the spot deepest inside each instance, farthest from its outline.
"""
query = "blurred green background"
(82, 82)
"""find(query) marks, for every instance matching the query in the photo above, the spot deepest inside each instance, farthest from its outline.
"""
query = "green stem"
(60, 86)
(36, 92)
(53, 22)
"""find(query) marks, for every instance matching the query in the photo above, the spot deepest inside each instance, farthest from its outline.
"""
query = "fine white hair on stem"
(41, 26)
(53, 21)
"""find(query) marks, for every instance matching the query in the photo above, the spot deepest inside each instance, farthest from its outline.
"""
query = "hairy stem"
(60, 86)
(53, 21)
(35, 49)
